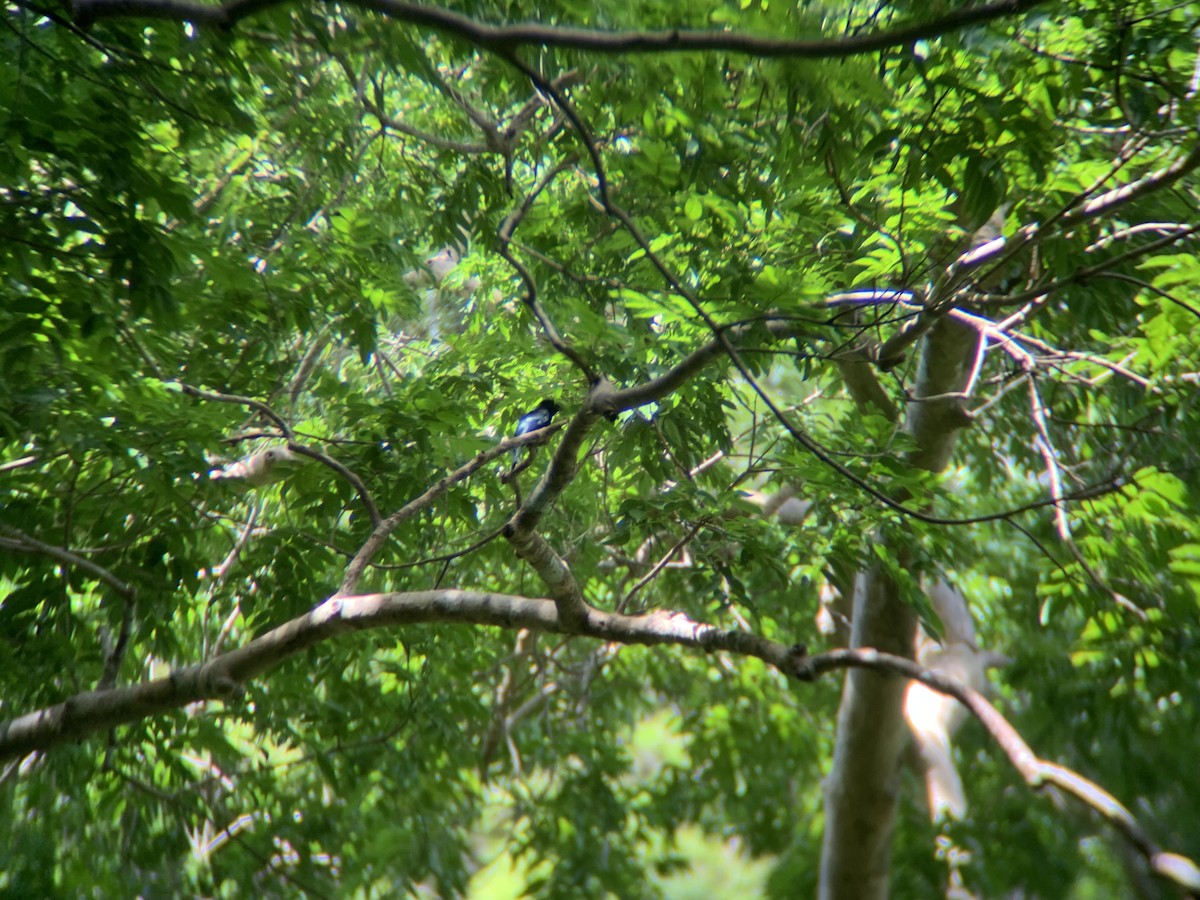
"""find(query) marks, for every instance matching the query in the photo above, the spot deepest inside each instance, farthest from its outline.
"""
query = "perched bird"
(264, 467)
(538, 417)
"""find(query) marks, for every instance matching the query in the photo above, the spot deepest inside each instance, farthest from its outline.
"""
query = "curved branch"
(425, 137)
(1036, 772)
(386, 526)
(286, 430)
(223, 676)
(357, 483)
(20, 541)
(504, 237)
(277, 420)
(509, 37)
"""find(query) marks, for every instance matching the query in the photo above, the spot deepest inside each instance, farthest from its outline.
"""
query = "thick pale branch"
(1117, 197)
(222, 677)
(935, 413)
(573, 610)
(863, 785)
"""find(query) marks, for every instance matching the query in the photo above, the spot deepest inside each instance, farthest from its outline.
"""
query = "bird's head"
(549, 406)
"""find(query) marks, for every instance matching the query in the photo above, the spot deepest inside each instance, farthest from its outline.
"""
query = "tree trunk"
(861, 793)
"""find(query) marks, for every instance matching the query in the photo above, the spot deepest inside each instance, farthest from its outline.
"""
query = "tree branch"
(573, 610)
(372, 545)
(1036, 772)
(277, 420)
(1000, 249)
(531, 301)
(19, 540)
(510, 37)
(355, 482)
(221, 678)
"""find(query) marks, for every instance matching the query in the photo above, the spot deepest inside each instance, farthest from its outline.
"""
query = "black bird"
(538, 417)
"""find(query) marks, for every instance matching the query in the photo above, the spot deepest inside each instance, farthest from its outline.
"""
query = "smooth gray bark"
(862, 791)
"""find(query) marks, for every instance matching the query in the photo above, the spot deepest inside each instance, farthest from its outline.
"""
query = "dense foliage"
(383, 239)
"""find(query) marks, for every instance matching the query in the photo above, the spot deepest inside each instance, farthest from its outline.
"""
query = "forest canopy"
(599, 449)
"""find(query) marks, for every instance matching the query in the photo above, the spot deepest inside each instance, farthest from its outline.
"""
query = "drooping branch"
(511, 37)
(1036, 772)
(20, 541)
(223, 677)
(218, 397)
(355, 482)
